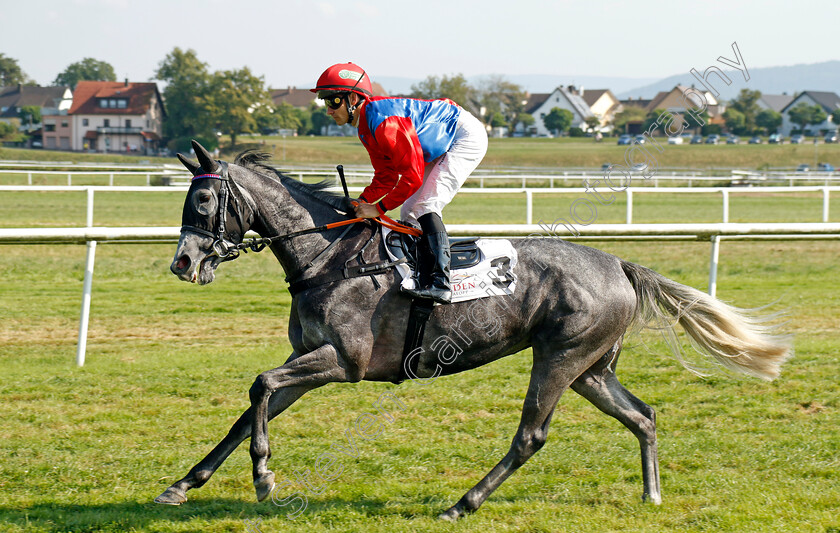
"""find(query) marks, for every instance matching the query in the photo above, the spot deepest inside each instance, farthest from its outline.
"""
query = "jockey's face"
(341, 116)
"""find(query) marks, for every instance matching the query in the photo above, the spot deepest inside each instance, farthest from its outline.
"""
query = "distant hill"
(533, 83)
(769, 80)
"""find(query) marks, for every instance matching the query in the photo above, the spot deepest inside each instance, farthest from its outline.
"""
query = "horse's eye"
(204, 202)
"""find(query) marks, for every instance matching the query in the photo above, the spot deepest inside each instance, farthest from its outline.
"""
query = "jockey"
(422, 151)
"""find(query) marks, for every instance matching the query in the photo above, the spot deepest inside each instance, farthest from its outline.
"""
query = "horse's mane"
(256, 160)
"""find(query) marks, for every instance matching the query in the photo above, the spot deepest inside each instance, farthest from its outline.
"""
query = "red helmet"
(345, 77)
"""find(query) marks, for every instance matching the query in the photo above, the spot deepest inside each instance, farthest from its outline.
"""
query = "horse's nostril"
(182, 263)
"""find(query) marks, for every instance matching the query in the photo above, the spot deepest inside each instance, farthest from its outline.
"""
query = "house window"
(127, 123)
(112, 103)
(107, 122)
(122, 103)
(63, 123)
(103, 103)
(49, 127)
(84, 122)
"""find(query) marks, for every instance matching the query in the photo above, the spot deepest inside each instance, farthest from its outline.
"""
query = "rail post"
(713, 265)
(90, 256)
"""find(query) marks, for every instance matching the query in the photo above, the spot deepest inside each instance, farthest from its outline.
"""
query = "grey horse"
(572, 305)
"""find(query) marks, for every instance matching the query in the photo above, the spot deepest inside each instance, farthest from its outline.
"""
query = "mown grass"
(68, 208)
(506, 152)
(169, 365)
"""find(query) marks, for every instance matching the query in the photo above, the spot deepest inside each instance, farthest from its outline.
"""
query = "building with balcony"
(109, 116)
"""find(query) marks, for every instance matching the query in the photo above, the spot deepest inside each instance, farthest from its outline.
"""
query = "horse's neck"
(281, 211)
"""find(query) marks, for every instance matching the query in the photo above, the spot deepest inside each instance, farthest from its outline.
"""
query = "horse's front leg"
(198, 475)
(313, 369)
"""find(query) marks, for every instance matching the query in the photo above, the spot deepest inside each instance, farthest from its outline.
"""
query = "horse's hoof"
(172, 496)
(451, 515)
(264, 486)
(654, 499)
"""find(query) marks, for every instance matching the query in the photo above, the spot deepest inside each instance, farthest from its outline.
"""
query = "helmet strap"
(351, 109)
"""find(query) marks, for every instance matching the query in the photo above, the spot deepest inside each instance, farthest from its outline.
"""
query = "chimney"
(126, 82)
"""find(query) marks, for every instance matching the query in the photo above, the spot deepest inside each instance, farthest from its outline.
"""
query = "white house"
(604, 105)
(113, 116)
(540, 105)
(828, 101)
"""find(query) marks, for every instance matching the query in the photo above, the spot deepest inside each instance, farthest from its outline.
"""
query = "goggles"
(334, 100)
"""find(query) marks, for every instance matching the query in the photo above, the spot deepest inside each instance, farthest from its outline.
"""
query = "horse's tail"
(735, 338)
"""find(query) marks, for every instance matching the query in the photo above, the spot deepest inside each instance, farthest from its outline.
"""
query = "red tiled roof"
(150, 135)
(91, 134)
(88, 93)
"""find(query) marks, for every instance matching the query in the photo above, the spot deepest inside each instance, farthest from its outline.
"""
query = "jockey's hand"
(366, 210)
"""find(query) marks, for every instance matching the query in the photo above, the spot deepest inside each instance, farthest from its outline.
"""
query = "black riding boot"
(435, 266)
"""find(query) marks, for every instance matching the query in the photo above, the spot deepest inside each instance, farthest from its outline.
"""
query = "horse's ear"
(193, 167)
(208, 164)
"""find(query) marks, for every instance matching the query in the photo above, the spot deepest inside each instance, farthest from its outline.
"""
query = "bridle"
(227, 250)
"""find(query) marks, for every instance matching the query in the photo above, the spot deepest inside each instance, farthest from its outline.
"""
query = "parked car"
(803, 168)
(796, 139)
(640, 139)
(825, 167)
(732, 139)
(675, 140)
(830, 138)
(776, 138)
(697, 139)
(755, 140)
(625, 139)
(713, 139)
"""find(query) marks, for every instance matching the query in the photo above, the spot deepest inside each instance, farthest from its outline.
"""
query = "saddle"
(464, 250)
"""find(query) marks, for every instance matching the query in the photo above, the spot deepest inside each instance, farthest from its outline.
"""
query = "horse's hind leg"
(600, 386)
(549, 379)
(198, 475)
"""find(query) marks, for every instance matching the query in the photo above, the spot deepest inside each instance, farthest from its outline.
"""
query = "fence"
(174, 175)
(528, 193)
(702, 232)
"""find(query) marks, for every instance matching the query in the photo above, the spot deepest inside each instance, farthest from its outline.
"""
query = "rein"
(228, 251)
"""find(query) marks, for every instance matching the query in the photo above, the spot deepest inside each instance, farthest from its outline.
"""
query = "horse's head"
(215, 219)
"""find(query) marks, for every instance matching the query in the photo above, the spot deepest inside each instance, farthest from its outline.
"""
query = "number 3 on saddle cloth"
(479, 267)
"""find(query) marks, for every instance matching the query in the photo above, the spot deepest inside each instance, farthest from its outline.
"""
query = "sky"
(290, 42)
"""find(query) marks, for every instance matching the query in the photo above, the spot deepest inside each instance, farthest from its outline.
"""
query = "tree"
(497, 120)
(285, 117)
(88, 69)
(29, 115)
(456, 88)
(188, 82)
(10, 72)
(592, 122)
(835, 116)
(318, 118)
(696, 120)
(735, 121)
(627, 115)
(803, 114)
(558, 119)
(769, 120)
(650, 120)
(235, 99)
(527, 121)
(746, 103)
(498, 94)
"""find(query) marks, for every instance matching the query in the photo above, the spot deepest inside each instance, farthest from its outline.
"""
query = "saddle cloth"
(479, 267)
